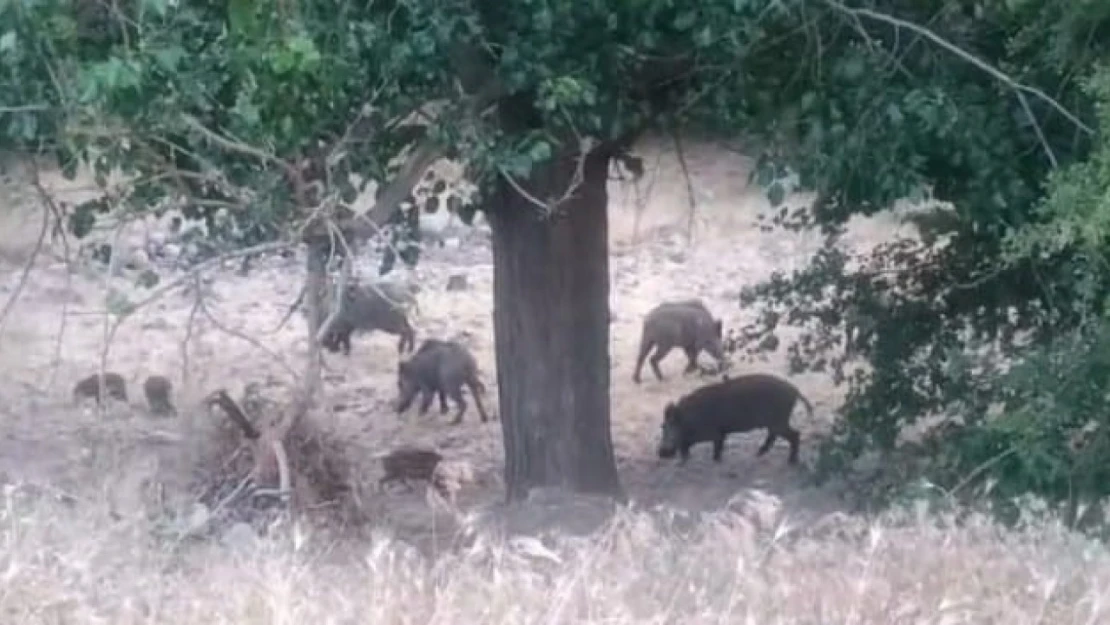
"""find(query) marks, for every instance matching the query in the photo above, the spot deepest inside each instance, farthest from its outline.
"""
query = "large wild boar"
(365, 309)
(439, 367)
(712, 412)
(687, 324)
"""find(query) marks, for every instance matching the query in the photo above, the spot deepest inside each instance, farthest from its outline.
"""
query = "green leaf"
(240, 16)
(157, 7)
(7, 41)
(685, 20)
(917, 194)
(169, 58)
(765, 174)
(540, 152)
(118, 304)
(704, 37)
(81, 221)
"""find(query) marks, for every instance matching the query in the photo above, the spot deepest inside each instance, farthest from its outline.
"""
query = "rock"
(196, 520)
(457, 282)
(240, 537)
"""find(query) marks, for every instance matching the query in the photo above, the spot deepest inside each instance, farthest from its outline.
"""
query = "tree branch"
(362, 227)
(967, 56)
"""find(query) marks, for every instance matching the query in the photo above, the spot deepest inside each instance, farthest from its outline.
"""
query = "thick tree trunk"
(551, 325)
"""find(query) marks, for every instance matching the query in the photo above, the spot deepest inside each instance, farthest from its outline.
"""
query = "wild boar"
(687, 324)
(365, 309)
(439, 367)
(740, 404)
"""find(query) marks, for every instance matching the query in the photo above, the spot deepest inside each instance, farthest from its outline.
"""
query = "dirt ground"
(54, 334)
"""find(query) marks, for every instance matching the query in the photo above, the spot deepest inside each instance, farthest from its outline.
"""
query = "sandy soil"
(54, 334)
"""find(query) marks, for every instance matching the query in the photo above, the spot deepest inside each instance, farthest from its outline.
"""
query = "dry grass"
(66, 565)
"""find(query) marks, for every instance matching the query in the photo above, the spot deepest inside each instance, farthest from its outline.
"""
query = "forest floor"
(112, 463)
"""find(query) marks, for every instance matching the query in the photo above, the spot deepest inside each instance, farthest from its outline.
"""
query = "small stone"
(457, 282)
(240, 537)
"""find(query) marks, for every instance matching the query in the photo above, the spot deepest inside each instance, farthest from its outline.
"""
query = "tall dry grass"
(68, 565)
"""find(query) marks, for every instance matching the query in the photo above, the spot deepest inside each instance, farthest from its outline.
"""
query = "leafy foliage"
(1002, 303)
(259, 111)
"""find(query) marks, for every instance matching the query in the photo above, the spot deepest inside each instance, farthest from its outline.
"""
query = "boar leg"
(766, 446)
(457, 395)
(792, 436)
(683, 454)
(645, 349)
(691, 359)
(718, 447)
(426, 397)
(478, 401)
(661, 352)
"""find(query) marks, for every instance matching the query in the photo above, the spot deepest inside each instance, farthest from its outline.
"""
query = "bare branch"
(64, 313)
(1037, 128)
(284, 481)
(189, 325)
(204, 266)
(30, 264)
(586, 146)
(340, 289)
(422, 156)
(292, 173)
(289, 313)
(249, 339)
(220, 398)
(689, 184)
(26, 108)
(966, 56)
(232, 145)
(109, 329)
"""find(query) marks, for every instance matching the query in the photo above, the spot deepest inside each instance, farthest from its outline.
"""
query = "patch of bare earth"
(744, 556)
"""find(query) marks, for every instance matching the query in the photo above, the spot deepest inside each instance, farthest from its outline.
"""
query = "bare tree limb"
(30, 264)
(292, 173)
(189, 325)
(693, 204)
(586, 146)
(1037, 128)
(249, 339)
(340, 287)
(204, 266)
(427, 152)
(220, 398)
(26, 108)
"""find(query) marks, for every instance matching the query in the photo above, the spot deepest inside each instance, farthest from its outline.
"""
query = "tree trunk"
(551, 327)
